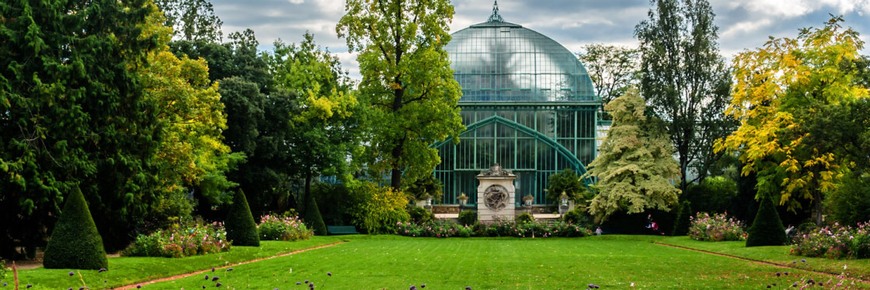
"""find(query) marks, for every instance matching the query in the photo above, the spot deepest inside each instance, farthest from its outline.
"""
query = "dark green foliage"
(524, 218)
(681, 226)
(715, 194)
(241, 229)
(334, 202)
(577, 216)
(313, 218)
(569, 182)
(74, 114)
(75, 242)
(420, 215)
(849, 204)
(766, 229)
(467, 217)
(425, 186)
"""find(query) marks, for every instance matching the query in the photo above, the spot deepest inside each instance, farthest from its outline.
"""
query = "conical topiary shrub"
(766, 229)
(681, 226)
(241, 228)
(75, 242)
(313, 218)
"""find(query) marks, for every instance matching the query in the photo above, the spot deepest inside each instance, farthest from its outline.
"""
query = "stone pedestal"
(496, 195)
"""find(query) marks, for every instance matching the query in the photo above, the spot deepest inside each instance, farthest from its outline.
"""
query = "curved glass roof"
(498, 61)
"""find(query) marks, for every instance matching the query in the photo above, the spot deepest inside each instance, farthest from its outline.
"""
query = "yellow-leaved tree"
(192, 155)
(778, 89)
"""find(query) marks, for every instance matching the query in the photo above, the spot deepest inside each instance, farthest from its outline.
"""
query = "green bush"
(180, 241)
(420, 215)
(313, 218)
(378, 209)
(766, 229)
(467, 217)
(283, 228)
(75, 242)
(524, 218)
(241, 229)
(681, 226)
(577, 216)
(569, 182)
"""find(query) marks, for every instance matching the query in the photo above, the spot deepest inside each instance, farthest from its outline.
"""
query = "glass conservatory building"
(528, 104)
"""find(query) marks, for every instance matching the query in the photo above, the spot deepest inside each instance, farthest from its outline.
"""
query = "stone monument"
(496, 194)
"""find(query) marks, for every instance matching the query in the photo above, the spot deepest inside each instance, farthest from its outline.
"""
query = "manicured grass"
(778, 255)
(390, 262)
(129, 270)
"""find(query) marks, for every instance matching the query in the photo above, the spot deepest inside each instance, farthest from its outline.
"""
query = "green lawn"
(392, 262)
(129, 270)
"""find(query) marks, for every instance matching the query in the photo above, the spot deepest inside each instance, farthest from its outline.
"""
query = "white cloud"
(796, 8)
(745, 27)
(297, 2)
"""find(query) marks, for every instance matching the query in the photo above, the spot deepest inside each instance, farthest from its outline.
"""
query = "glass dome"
(498, 61)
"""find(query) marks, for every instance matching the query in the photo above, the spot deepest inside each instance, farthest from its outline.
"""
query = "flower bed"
(834, 242)
(283, 228)
(181, 241)
(716, 228)
(446, 229)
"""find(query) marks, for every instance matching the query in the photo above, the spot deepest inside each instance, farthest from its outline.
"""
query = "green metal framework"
(528, 104)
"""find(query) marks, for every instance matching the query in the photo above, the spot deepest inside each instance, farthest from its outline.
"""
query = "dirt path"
(180, 276)
(827, 274)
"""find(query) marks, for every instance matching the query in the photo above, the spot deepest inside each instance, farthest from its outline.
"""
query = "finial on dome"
(495, 17)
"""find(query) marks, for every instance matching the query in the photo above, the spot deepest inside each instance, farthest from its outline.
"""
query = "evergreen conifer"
(75, 242)
(681, 226)
(241, 228)
(766, 229)
(313, 218)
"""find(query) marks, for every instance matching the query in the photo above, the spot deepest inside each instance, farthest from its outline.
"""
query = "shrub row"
(834, 242)
(718, 227)
(181, 241)
(283, 228)
(445, 229)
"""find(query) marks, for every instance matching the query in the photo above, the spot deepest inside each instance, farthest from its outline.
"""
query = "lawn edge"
(769, 263)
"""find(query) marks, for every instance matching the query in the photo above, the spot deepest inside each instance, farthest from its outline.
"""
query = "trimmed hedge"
(240, 225)
(681, 226)
(75, 242)
(766, 229)
(313, 218)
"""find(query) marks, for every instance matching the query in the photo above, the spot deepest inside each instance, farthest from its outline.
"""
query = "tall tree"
(74, 115)
(613, 69)
(685, 81)
(192, 20)
(323, 128)
(635, 168)
(780, 88)
(192, 155)
(407, 83)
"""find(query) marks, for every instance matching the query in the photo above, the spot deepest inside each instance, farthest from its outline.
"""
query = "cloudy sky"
(743, 24)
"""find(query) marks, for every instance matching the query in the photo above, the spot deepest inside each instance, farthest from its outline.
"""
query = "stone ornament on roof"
(496, 170)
